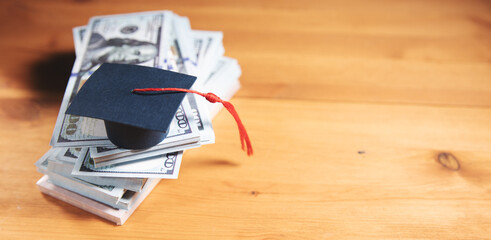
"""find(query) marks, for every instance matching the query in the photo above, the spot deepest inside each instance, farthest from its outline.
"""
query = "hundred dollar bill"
(61, 177)
(65, 167)
(130, 198)
(209, 49)
(226, 70)
(106, 194)
(130, 156)
(182, 55)
(78, 38)
(164, 166)
(42, 163)
(130, 39)
(68, 154)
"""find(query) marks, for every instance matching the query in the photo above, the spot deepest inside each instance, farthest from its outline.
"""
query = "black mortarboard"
(133, 121)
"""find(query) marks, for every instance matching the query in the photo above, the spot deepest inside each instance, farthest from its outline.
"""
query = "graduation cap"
(132, 121)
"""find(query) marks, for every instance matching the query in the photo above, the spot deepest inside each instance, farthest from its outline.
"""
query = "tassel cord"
(244, 137)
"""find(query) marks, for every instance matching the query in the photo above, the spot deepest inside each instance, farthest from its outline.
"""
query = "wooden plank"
(319, 170)
(389, 52)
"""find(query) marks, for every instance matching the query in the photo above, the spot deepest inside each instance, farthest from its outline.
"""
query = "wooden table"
(369, 119)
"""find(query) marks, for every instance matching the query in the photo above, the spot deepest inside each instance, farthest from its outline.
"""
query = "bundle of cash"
(83, 167)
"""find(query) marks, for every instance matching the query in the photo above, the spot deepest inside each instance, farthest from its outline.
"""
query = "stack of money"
(83, 167)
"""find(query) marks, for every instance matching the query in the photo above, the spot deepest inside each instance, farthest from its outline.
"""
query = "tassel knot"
(212, 98)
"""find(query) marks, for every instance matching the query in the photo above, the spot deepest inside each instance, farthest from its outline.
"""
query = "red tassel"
(244, 137)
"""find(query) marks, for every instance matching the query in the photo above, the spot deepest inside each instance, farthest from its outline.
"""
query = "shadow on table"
(49, 75)
(212, 163)
(72, 210)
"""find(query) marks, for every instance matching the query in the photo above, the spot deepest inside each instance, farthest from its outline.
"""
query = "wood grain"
(369, 120)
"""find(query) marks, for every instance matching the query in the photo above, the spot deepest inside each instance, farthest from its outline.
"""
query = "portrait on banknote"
(117, 50)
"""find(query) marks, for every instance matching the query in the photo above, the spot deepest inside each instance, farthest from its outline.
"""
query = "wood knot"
(448, 161)
(254, 193)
